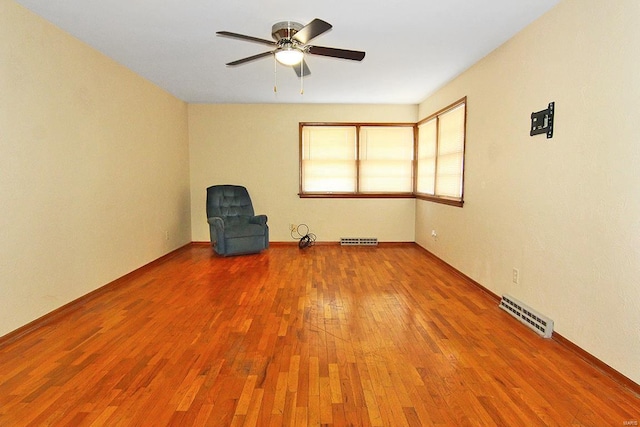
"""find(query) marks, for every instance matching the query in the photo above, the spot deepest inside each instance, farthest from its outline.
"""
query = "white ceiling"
(413, 46)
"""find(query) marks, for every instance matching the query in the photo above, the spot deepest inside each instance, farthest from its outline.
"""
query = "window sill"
(356, 195)
(427, 197)
(440, 199)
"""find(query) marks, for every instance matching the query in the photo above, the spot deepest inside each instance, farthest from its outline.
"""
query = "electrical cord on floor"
(305, 239)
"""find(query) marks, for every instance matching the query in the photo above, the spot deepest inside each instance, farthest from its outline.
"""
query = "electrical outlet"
(293, 227)
(516, 276)
(166, 235)
(434, 234)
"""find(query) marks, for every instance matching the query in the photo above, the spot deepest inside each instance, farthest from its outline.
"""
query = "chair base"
(241, 246)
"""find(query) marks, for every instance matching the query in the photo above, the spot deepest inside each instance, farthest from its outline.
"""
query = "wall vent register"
(536, 321)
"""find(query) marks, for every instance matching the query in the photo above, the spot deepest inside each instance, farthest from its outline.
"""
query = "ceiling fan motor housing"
(285, 30)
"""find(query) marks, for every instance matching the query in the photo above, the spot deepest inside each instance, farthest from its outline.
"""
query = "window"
(423, 160)
(369, 160)
(386, 159)
(328, 164)
(440, 155)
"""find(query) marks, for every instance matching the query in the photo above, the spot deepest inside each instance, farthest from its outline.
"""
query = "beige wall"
(566, 210)
(257, 146)
(94, 169)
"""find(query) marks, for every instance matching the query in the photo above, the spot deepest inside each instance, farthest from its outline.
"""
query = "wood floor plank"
(330, 335)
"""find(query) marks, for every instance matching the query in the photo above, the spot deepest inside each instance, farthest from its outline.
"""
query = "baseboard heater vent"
(358, 241)
(536, 321)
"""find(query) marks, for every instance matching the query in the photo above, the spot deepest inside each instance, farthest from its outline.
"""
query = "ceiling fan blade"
(305, 69)
(247, 38)
(354, 55)
(250, 58)
(311, 30)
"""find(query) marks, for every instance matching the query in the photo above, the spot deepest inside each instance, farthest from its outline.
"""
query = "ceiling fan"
(291, 44)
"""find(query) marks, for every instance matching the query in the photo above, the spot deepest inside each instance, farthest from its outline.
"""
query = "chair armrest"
(216, 221)
(258, 219)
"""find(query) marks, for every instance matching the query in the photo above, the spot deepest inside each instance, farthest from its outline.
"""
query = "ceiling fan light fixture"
(289, 55)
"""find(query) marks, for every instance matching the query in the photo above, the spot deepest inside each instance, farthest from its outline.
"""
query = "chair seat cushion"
(243, 230)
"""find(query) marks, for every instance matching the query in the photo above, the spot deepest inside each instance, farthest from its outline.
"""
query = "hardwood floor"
(331, 335)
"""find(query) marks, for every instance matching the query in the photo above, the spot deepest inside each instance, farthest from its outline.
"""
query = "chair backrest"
(228, 201)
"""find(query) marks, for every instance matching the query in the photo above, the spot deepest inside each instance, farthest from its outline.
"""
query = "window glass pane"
(426, 173)
(329, 176)
(328, 159)
(450, 152)
(448, 182)
(386, 159)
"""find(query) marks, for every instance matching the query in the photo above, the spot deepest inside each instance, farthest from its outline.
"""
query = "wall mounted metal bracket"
(542, 121)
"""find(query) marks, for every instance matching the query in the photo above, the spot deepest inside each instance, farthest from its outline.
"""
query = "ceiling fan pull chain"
(302, 77)
(275, 74)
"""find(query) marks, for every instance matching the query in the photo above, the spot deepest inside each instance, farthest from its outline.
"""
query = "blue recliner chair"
(233, 226)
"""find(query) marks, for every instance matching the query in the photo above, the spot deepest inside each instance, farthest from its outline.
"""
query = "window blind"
(386, 159)
(449, 166)
(328, 159)
(426, 174)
